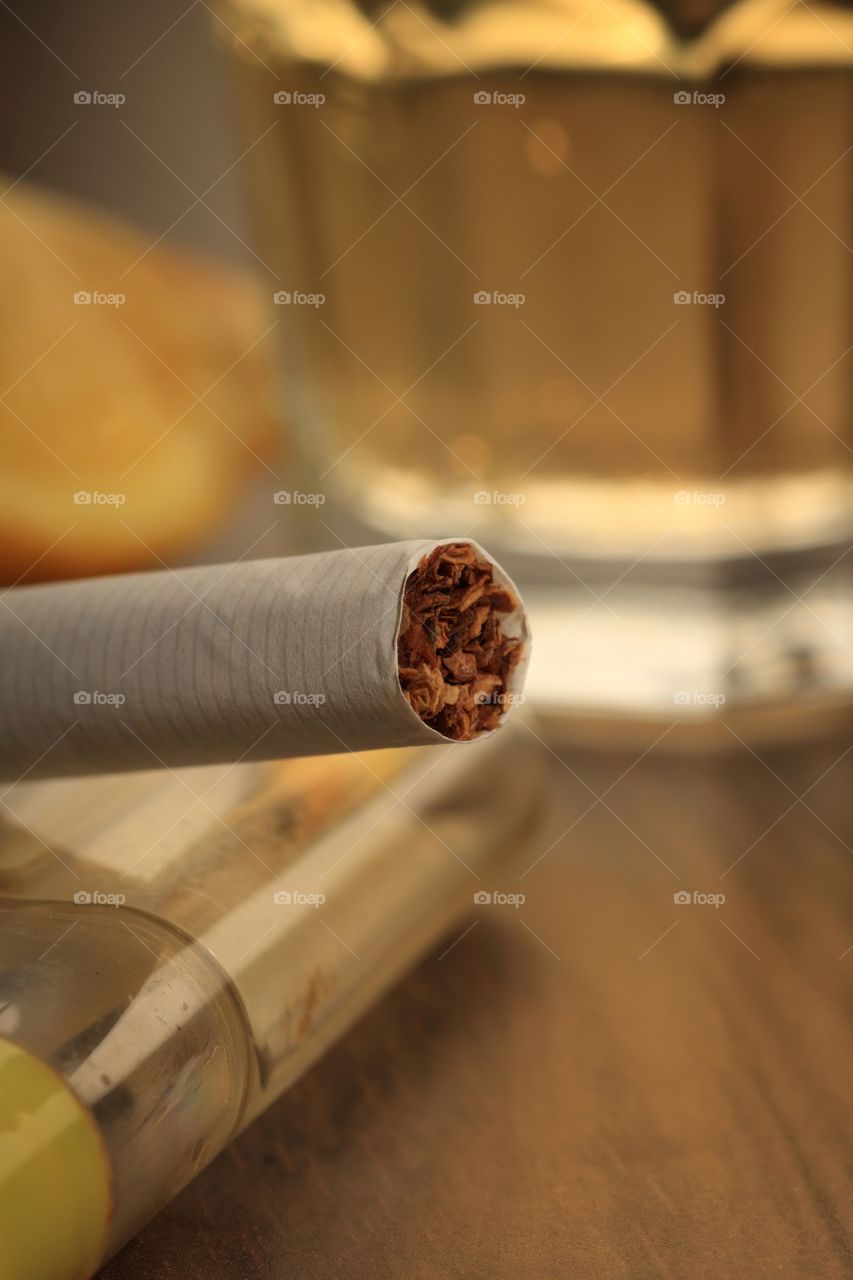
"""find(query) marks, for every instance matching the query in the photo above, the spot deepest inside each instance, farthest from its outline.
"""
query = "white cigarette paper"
(250, 661)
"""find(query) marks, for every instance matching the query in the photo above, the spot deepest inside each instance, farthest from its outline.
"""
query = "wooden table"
(601, 1084)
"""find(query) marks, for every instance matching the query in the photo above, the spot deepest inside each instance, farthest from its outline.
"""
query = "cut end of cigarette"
(454, 659)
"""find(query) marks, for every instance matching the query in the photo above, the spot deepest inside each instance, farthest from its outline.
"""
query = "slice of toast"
(136, 393)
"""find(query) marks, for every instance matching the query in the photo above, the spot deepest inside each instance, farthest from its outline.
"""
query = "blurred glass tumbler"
(557, 275)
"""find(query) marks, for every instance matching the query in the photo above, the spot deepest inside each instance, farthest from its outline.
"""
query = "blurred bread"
(108, 459)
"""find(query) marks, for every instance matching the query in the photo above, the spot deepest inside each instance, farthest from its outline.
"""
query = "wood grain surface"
(599, 1084)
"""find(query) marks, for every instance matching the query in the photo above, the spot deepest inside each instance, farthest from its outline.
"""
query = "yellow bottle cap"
(54, 1175)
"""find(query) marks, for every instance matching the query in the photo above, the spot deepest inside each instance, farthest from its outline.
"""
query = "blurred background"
(571, 279)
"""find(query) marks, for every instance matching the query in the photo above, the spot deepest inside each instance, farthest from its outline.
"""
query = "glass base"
(746, 623)
(750, 658)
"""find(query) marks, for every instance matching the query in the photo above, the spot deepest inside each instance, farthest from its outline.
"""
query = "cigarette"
(398, 645)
